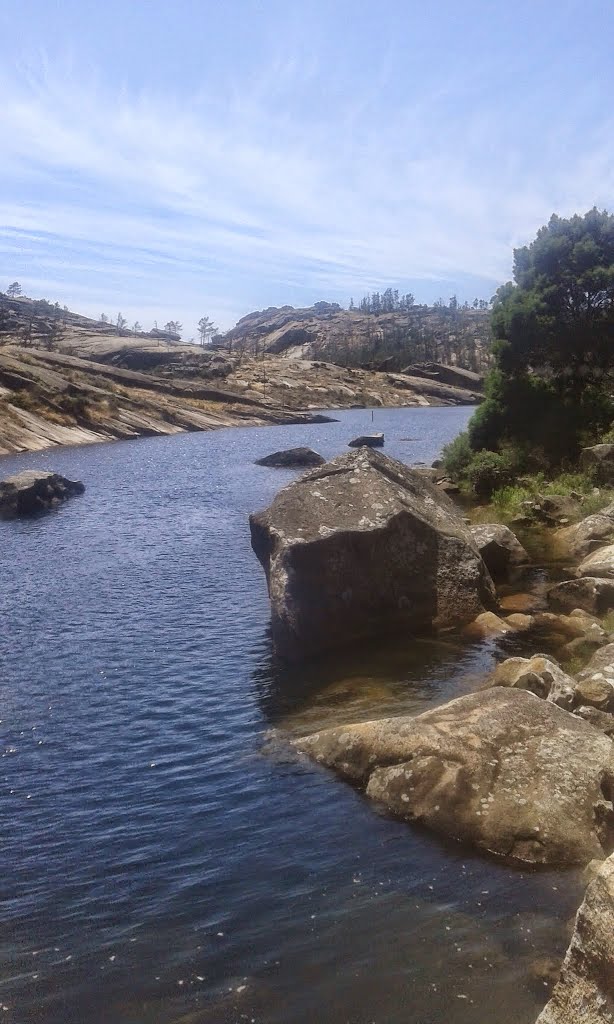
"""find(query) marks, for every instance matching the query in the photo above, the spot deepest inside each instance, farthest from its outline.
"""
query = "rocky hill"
(440, 334)
(66, 379)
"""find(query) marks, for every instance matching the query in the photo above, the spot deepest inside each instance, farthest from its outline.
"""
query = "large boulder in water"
(585, 992)
(32, 491)
(512, 774)
(361, 548)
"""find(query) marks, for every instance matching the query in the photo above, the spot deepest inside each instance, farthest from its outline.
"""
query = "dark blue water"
(161, 859)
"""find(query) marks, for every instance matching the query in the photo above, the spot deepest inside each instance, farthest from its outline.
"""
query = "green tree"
(554, 347)
(14, 290)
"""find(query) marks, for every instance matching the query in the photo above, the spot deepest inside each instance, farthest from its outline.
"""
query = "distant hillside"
(420, 334)
(67, 379)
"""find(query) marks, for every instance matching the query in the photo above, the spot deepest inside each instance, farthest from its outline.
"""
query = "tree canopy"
(554, 347)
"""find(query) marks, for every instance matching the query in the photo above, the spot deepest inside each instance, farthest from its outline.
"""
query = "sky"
(172, 159)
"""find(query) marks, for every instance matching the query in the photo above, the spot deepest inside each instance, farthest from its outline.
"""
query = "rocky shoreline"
(523, 768)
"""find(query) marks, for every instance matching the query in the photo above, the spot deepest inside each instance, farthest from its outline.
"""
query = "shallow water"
(163, 860)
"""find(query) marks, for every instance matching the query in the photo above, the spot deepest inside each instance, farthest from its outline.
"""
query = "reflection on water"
(159, 866)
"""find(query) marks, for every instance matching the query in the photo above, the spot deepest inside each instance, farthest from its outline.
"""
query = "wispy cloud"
(181, 205)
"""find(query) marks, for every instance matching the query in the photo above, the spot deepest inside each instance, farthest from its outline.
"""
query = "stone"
(33, 491)
(580, 626)
(593, 595)
(599, 564)
(511, 774)
(486, 625)
(539, 675)
(599, 461)
(291, 458)
(520, 622)
(524, 603)
(590, 533)
(362, 548)
(558, 508)
(367, 440)
(601, 665)
(601, 720)
(448, 486)
(500, 549)
(585, 992)
(595, 693)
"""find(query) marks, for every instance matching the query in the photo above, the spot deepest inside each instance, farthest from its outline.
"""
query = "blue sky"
(174, 159)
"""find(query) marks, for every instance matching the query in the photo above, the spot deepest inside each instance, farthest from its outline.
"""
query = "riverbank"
(49, 399)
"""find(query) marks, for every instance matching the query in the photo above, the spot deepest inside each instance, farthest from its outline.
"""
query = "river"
(164, 862)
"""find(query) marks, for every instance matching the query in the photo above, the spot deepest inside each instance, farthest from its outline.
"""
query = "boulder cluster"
(364, 547)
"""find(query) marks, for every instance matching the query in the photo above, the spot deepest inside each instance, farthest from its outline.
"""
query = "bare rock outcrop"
(33, 491)
(362, 548)
(585, 992)
(499, 547)
(511, 774)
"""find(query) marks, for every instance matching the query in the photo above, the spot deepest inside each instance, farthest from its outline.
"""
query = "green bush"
(456, 456)
(489, 471)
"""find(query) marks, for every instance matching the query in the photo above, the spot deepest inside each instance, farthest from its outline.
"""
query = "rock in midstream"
(33, 491)
(365, 547)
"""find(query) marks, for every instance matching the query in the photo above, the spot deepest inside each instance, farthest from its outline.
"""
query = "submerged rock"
(32, 491)
(361, 548)
(585, 992)
(368, 440)
(510, 773)
(292, 457)
(499, 547)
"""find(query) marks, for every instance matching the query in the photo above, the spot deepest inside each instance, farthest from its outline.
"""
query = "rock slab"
(501, 769)
(31, 491)
(361, 548)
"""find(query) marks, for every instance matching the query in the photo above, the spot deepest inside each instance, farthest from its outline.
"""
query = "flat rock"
(32, 491)
(591, 594)
(509, 773)
(585, 992)
(363, 548)
(292, 457)
(367, 440)
(499, 547)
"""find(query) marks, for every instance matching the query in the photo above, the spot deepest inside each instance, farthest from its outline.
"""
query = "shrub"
(489, 471)
(456, 456)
